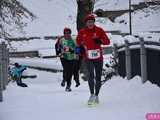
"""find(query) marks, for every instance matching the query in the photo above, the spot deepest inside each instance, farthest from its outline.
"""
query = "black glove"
(23, 69)
(71, 51)
(82, 50)
(97, 41)
(58, 48)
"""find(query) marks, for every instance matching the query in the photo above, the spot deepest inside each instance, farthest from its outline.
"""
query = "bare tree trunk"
(84, 7)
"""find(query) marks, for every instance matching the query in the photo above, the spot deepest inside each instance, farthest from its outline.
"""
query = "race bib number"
(94, 54)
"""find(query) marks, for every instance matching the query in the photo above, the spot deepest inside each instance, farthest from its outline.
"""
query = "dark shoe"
(77, 84)
(63, 83)
(22, 85)
(68, 89)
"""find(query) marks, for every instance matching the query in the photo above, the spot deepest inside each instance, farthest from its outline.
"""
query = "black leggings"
(68, 71)
(76, 68)
(94, 85)
(71, 65)
(20, 83)
(19, 80)
(62, 62)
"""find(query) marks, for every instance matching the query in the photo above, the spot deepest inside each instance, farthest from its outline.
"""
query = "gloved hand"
(58, 48)
(78, 50)
(97, 41)
(82, 50)
(71, 50)
(66, 49)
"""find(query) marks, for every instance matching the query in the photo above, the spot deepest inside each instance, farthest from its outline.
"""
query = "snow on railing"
(142, 45)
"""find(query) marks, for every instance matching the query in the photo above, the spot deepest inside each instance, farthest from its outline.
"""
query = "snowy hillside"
(115, 4)
(54, 15)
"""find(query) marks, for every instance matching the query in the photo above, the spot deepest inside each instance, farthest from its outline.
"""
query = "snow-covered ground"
(45, 99)
(53, 63)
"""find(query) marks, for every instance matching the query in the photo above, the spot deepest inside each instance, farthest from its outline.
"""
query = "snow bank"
(53, 63)
(120, 99)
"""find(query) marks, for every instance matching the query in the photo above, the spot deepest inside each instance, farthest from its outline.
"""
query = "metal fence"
(4, 63)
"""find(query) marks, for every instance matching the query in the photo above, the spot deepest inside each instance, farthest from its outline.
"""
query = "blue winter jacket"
(17, 72)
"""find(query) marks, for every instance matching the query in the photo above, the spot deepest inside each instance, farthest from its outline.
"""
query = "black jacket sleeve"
(57, 48)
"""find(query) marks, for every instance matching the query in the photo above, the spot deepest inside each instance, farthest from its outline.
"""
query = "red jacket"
(86, 39)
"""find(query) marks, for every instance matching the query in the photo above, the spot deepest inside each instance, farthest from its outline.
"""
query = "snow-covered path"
(45, 99)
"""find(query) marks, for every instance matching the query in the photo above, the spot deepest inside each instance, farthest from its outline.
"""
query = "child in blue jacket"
(16, 74)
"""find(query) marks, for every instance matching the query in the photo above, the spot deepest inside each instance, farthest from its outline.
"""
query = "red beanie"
(67, 30)
(89, 17)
